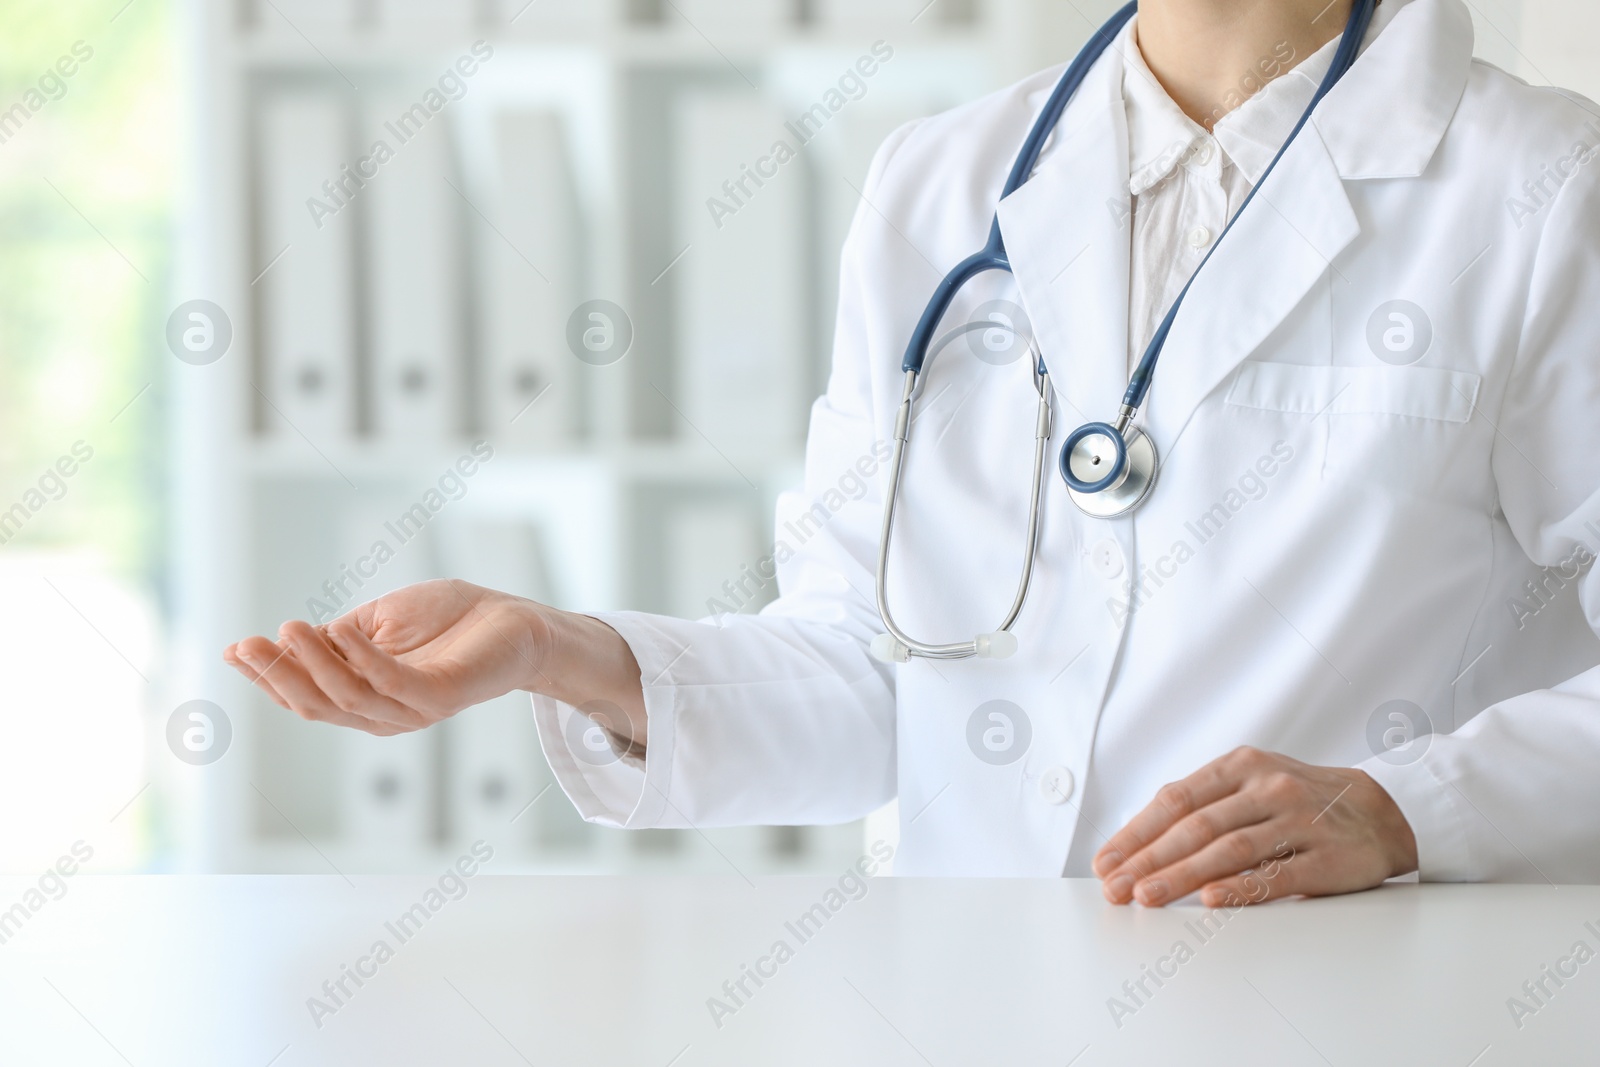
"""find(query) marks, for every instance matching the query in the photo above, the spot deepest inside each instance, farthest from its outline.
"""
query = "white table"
(217, 971)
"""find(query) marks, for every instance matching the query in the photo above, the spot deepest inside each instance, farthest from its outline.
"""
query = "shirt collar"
(1161, 136)
(1159, 133)
(1252, 133)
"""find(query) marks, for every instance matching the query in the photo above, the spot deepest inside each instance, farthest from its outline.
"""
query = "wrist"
(583, 662)
(1394, 829)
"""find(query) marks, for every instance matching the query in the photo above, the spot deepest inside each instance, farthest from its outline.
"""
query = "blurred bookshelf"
(430, 306)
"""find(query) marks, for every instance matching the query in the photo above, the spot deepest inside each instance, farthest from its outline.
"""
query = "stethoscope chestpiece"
(1108, 472)
(1094, 458)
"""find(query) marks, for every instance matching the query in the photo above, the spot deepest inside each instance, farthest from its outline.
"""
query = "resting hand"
(419, 655)
(1323, 830)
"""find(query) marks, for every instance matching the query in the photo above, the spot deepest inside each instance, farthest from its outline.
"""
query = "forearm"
(753, 720)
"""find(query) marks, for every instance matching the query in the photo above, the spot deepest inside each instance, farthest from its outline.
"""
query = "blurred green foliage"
(88, 166)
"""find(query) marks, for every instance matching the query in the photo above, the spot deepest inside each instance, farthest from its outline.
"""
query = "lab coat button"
(1056, 785)
(1106, 556)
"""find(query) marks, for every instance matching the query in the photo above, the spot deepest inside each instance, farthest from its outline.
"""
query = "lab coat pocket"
(1397, 428)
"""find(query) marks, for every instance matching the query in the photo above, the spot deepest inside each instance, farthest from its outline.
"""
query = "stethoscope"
(1109, 468)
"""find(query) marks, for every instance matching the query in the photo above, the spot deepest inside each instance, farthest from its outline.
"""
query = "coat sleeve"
(1514, 794)
(782, 717)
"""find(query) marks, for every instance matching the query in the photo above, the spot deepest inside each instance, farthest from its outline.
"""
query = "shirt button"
(1056, 785)
(1202, 155)
(1106, 556)
(1199, 237)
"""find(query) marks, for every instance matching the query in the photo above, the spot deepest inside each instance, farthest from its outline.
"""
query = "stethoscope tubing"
(993, 254)
(902, 434)
(1343, 59)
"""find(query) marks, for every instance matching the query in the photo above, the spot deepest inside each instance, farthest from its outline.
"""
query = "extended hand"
(419, 655)
(1320, 830)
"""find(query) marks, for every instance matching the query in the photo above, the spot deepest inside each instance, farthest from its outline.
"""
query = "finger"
(231, 656)
(306, 699)
(254, 657)
(1185, 838)
(259, 682)
(258, 658)
(343, 685)
(1229, 855)
(1172, 802)
(387, 675)
(1274, 880)
(323, 630)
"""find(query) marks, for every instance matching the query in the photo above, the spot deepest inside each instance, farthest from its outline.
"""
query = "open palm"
(401, 662)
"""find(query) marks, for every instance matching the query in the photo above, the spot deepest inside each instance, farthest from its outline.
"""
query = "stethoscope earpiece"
(1002, 644)
(886, 649)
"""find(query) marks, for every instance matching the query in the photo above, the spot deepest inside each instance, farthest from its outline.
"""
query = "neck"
(1213, 55)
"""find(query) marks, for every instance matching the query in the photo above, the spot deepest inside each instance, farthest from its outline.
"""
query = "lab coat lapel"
(1067, 232)
(1067, 235)
(1282, 243)
(1385, 119)
(1068, 238)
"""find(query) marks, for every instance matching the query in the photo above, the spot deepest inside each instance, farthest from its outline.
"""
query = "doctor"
(1347, 634)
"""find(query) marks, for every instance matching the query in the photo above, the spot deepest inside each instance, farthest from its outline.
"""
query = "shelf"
(674, 41)
(638, 46)
(666, 462)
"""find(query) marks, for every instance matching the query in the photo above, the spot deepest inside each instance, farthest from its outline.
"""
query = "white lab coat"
(1331, 531)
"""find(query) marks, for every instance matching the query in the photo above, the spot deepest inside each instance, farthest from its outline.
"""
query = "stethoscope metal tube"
(897, 645)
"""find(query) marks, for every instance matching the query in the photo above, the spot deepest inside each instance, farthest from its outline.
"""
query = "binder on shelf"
(388, 793)
(845, 153)
(388, 785)
(713, 559)
(307, 274)
(710, 16)
(413, 258)
(521, 16)
(505, 553)
(425, 16)
(887, 15)
(741, 286)
(296, 16)
(844, 156)
(529, 397)
(494, 767)
(494, 771)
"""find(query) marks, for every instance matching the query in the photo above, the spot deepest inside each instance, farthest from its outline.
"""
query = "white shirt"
(1185, 183)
